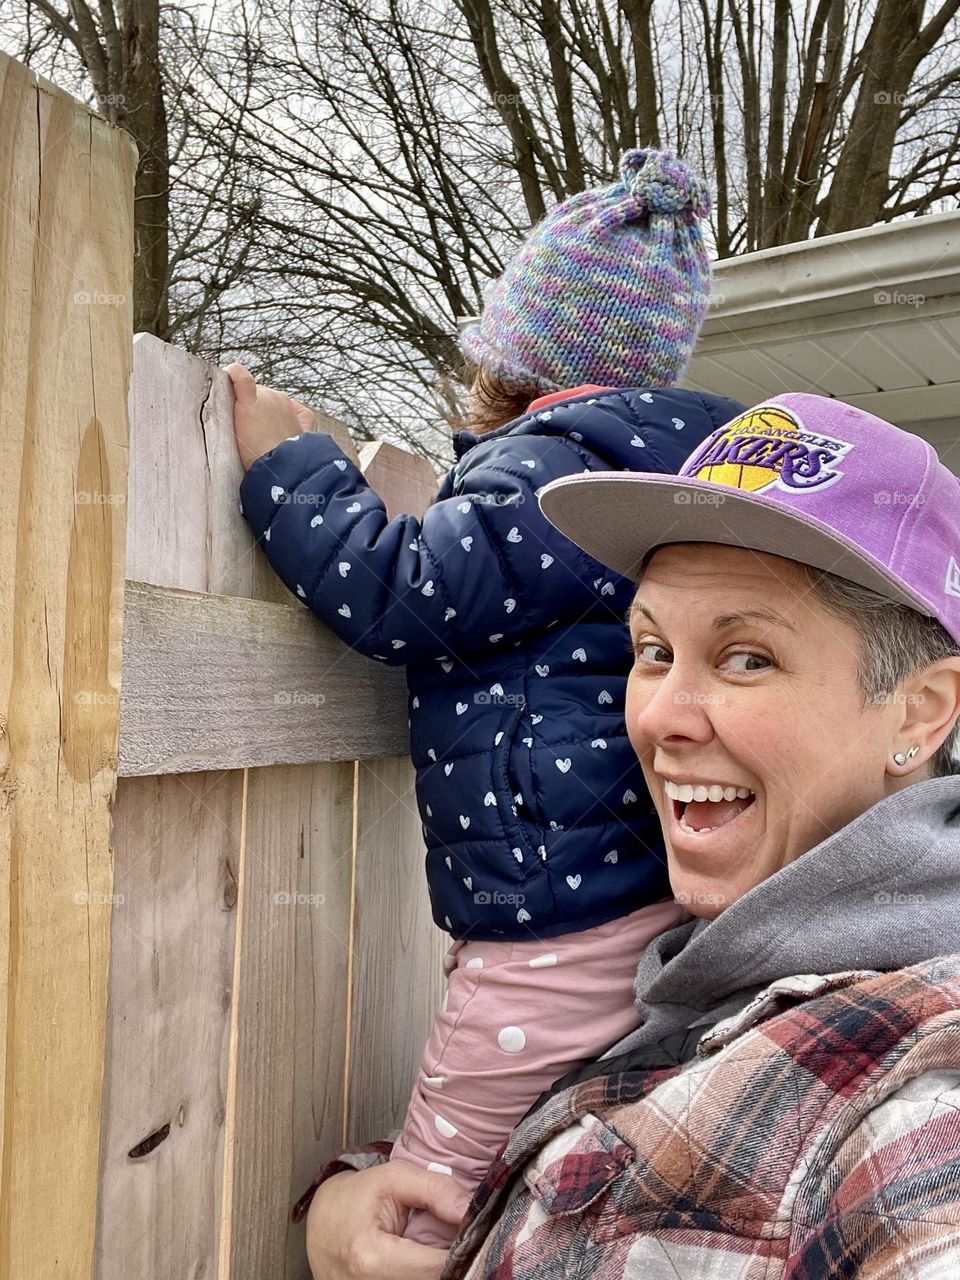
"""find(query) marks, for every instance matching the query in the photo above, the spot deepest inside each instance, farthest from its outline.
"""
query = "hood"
(881, 894)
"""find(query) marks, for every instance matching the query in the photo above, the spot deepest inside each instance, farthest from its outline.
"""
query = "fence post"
(66, 266)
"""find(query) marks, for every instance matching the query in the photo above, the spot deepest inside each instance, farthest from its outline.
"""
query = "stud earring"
(901, 757)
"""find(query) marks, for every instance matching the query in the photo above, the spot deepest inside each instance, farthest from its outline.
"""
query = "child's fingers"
(244, 384)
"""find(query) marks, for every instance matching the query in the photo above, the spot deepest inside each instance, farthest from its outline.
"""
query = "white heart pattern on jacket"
(678, 423)
(497, 690)
(448, 768)
(599, 742)
(353, 508)
(542, 670)
(514, 535)
(604, 697)
(518, 854)
(535, 719)
(448, 614)
(317, 519)
(611, 856)
(301, 592)
(344, 566)
(344, 611)
(464, 507)
(563, 765)
(574, 881)
(276, 493)
(646, 397)
(466, 543)
(489, 799)
(579, 654)
(427, 588)
(461, 708)
(638, 443)
(545, 561)
(509, 605)
(464, 821)
(629, 797)
(340, 464)
(523, 916)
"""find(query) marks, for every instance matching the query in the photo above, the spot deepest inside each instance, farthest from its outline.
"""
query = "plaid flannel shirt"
(815, 1135)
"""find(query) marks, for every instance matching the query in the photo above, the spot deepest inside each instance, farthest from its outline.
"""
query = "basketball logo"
(767, 446)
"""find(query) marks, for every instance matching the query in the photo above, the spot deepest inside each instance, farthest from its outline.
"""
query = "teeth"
(685, 792)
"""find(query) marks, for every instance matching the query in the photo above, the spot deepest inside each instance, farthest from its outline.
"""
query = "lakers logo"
(767, 446)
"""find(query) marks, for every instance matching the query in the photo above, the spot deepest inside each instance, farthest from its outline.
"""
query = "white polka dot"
(435, 1082)
(511, 1040)
(435, 1167)
(544, 962)
(475, 963)
(444, 1127)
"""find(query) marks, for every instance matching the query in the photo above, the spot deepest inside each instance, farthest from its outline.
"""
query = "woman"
(790, 1104)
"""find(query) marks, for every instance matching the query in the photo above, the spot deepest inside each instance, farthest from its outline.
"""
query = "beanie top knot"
(662, 183)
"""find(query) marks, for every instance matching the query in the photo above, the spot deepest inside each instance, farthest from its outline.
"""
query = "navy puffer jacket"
(535, 813)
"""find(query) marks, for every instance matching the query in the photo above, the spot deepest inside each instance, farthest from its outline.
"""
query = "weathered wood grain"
(216, 682)
(177, 853)
(66, 253)
(398, 952)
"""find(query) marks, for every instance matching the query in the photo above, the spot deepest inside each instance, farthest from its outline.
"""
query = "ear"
(931, 705)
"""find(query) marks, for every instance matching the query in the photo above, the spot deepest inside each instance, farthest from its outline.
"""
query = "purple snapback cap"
(800, 476)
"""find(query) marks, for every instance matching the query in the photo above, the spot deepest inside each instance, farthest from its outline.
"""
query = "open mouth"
(702, 807)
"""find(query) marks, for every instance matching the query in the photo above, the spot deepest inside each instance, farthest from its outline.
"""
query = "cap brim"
(618, 518)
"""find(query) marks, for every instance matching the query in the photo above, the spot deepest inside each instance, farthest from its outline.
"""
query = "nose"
(671, 710)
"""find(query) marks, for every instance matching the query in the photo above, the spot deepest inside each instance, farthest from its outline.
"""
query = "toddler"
(544, 855)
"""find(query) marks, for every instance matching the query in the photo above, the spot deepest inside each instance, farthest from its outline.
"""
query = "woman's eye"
(744, 662)
(650, 651)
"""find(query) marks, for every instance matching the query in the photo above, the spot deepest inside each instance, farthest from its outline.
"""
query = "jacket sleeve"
(482, 567)
(888, 1203)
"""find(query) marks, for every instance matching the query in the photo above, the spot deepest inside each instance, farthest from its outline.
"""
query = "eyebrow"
(724, 621)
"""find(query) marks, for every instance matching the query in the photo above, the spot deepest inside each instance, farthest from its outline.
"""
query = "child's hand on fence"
(355, 1222)
(263, 417)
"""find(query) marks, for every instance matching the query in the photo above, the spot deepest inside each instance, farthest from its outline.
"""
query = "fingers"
(244, 384)
(417, 1189)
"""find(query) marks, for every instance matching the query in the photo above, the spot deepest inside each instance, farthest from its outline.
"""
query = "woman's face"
(744, 708)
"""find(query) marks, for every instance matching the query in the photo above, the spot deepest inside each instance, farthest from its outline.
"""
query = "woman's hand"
(356, 1219)
(263, 417)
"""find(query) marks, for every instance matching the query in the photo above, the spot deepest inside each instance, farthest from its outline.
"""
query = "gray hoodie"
(882, 893)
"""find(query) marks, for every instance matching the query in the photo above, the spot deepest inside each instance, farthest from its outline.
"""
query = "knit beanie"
(609, 287)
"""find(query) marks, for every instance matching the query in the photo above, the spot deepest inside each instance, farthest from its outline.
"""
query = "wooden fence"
(216, 957)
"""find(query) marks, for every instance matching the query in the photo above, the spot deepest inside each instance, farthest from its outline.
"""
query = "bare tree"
(346, 179)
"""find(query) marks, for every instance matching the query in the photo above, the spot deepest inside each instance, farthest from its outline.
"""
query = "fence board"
(398, 952)
(177, 843)
(215, 682)
(185, 528)
(286, 1104)
(65, 283)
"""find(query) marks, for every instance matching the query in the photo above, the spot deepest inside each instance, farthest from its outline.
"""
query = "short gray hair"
(896, 642)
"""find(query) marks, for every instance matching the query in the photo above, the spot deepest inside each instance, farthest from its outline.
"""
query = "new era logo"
(952, 584)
